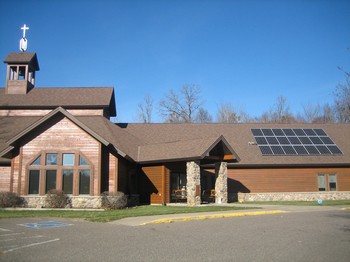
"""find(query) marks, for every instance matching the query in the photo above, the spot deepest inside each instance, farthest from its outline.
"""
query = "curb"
(212, 216)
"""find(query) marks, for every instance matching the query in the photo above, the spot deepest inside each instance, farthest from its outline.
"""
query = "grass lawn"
(302, 203)
(110, 215)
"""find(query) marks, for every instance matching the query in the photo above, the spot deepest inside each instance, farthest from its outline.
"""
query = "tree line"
(186, 106)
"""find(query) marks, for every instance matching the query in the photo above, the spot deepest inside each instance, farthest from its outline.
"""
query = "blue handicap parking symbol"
(47, 224)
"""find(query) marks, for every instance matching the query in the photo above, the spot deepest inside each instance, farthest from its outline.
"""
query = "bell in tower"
(21, 68)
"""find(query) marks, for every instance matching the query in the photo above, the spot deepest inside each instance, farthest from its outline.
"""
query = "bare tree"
(342, 100)
(328, 114)
(227, 114)
(279, 113)
(203, 116)
(145, 110)
(181, 107)
(311, 112)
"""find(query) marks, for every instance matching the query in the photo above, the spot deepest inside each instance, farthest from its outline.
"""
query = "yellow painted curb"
(222, 215)
(345, 208)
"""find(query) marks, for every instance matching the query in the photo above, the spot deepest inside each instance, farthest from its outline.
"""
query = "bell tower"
(21, 68)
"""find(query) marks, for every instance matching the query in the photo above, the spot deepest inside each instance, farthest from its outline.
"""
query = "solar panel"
(272, 140)
(283, 140)
(277, 150)
(312, 150)
(288, 132)
(265, 150)
(267, 132)
(320, 132)
(335, 150)
(299, 132)
(278, 132)
(301, 150)
(289, 150)
(294, 141)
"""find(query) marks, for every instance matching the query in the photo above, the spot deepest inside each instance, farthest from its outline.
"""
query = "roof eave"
(70, 117)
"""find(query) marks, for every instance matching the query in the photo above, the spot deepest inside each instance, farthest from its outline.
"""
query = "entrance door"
(178, 181)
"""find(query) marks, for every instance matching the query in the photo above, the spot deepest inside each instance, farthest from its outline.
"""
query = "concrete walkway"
(260, 210)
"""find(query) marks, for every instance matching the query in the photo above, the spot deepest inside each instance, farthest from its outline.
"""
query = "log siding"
(265, 180)
(62, 137)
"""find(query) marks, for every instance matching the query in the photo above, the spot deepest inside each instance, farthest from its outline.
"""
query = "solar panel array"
(294, 141)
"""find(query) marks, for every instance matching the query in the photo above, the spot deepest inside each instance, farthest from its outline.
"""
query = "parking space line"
(30, 245)
(11, 234)
(4, 229)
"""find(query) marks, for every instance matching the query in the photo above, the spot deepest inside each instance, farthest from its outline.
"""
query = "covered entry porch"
(186, 180)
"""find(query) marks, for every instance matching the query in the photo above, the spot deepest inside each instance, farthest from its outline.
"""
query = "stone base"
(76, 201)
(290, 196)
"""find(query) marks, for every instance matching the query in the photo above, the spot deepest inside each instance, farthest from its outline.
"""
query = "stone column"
(221, 183)
(193, 183)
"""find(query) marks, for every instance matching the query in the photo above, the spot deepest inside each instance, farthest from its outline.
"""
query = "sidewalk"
(260, 210)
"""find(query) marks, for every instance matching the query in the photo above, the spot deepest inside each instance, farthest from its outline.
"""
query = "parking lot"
(306, 235)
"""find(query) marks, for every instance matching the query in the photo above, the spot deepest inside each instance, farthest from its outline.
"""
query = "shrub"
(56, 199)
(10, 199)
(114, 200)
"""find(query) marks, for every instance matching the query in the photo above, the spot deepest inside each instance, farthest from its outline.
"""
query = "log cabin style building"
(62, 138)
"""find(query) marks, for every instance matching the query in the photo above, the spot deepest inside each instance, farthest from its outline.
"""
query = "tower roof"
(23, 58)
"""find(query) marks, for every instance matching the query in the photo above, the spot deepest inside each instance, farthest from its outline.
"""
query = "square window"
(51, 159)
(68, 159)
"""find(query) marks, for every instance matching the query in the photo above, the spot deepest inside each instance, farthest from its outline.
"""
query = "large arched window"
(70, 172)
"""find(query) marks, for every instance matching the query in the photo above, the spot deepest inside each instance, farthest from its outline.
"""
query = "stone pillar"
(221, 183)
(193, 183)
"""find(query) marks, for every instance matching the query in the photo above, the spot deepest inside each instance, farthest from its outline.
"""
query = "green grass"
(302, 203)
(110, 215)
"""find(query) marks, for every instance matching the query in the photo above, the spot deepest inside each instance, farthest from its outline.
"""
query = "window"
(321, 183)
(332, 180)
(22, 73)
(66, 171)
(327, 182)
(51, 159)
(17, 73)
(178, 181)
(34, 176)
(67, 181)
(84, 181)
(68, 159)
(50, 180)
(82, 161)
(13, 73)
(37, 162)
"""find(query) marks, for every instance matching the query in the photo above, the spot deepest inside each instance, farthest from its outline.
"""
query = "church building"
(62, 138)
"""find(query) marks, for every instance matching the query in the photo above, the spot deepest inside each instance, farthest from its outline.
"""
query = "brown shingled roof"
(50, 98)
(25, 58)
(238, 136)
(146, 143)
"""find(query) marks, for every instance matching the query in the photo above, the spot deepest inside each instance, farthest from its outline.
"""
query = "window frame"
(59, 167)
(327, 181)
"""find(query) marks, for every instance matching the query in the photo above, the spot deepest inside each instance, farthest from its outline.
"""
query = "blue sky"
(246, 53)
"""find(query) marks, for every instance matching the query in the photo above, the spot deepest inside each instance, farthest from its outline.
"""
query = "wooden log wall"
(266, 180)
(5, 178)
(159, 188)
(61, 136)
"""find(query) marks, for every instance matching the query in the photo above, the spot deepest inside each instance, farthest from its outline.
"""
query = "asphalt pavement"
(254, 211)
